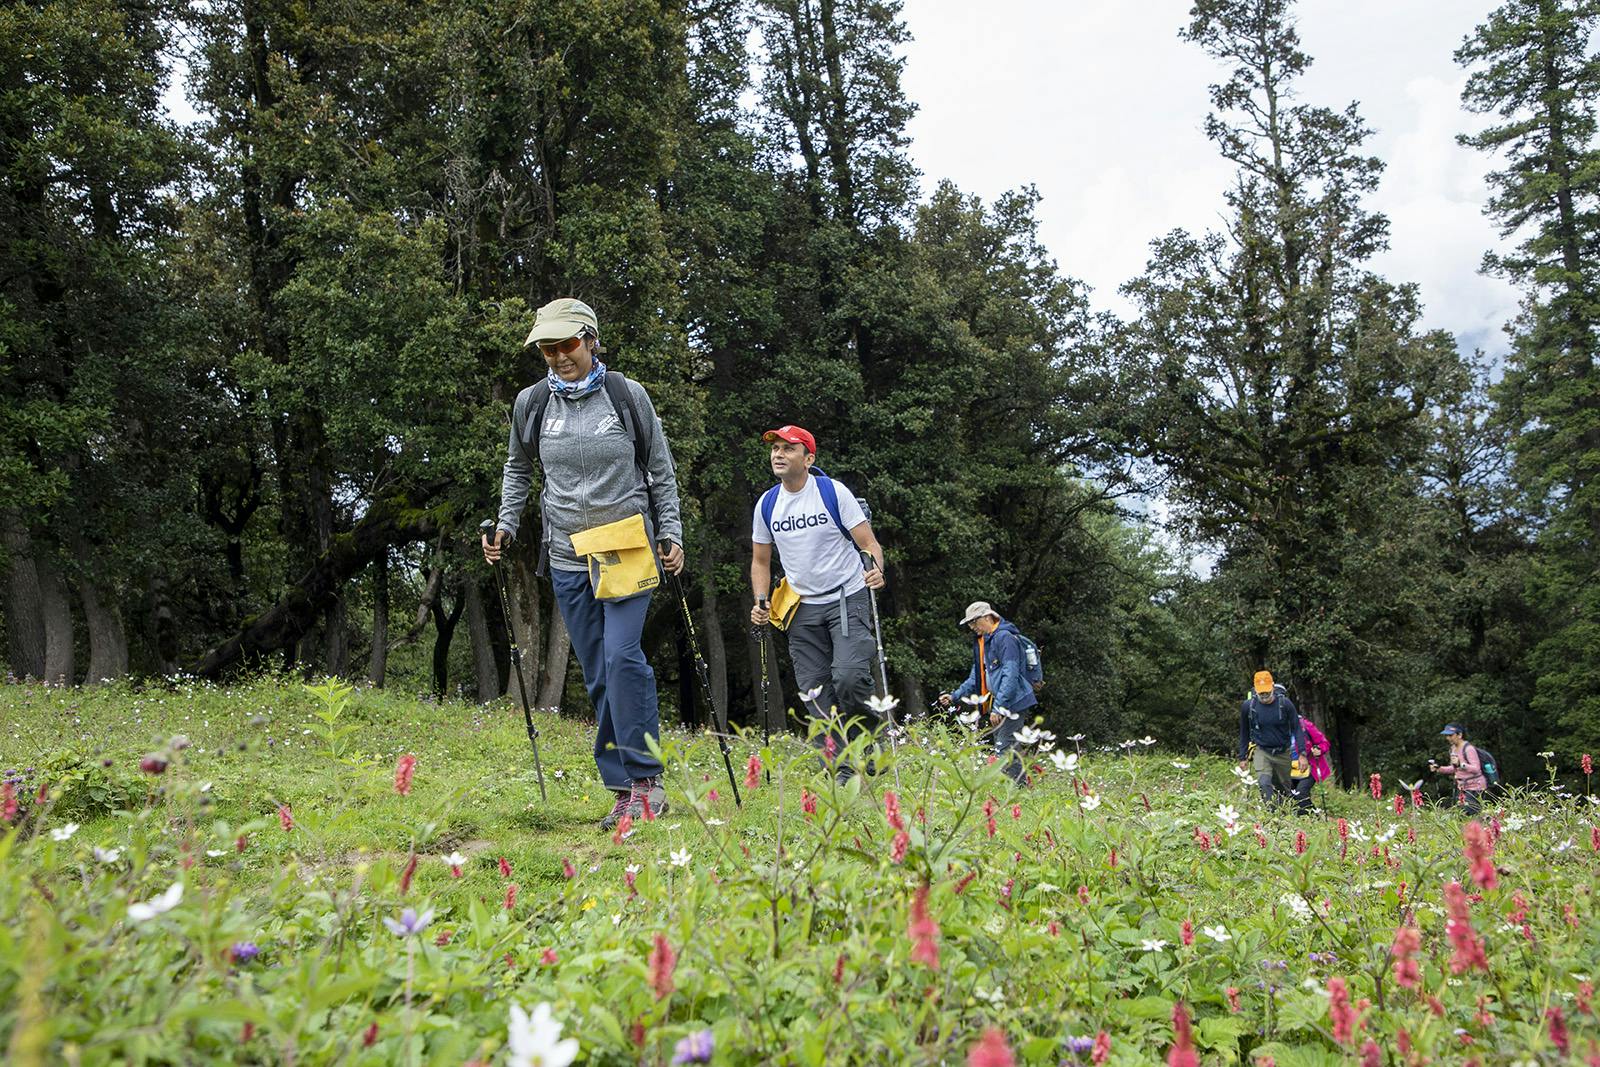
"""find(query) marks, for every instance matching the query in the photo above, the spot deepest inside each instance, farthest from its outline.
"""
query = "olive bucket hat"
(562, 319)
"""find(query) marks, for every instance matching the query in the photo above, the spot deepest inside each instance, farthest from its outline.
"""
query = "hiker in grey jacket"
(585, 444)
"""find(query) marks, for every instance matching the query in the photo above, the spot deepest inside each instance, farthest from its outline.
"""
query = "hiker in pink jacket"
(1316, 762)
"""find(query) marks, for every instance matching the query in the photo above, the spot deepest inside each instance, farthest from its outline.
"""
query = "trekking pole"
(487, 526)
(704, 674)
(883, 667)
(761, 633)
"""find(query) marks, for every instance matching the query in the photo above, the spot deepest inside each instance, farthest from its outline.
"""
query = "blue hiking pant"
(622, 687)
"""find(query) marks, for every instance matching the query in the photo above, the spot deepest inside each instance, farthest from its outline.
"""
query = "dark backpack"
(1491, 769)
(1277, 707)
(1032, 662)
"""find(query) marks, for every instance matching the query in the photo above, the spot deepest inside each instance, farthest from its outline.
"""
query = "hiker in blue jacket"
(1271, 737)
(999, 676)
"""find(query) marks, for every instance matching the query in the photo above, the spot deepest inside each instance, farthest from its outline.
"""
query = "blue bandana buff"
(573, 390)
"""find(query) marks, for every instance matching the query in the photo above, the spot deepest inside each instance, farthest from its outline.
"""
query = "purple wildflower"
(696, 1048)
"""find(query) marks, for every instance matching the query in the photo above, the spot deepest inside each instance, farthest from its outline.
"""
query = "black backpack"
(1491, 768)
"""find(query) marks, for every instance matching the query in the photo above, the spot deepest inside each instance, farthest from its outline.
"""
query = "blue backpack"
(830, 500)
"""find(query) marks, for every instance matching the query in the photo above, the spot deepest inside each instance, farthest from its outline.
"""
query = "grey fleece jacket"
(589, 475)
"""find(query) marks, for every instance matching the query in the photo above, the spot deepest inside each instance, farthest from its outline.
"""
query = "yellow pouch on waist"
(621, 561)
(785, 602)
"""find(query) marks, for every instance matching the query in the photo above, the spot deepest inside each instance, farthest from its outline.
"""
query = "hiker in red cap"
(820, 530)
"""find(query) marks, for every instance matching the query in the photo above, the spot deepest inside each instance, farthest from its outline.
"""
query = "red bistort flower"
(511, 896)
(1558, 1029)
(1102, 1048)
(1340, 1012)
(923, 931)
(662, 962)
(1469, 952)
(1233, 999)
(549, 957)
(1182, 1053)
(1186, 932)
(1407, 941)
(1479, 849)
(891, 809)
(1299, 842)
(898, 847)
(991, 1050)
(285, 817)
(408, 874)
(404, 768)
(1371, 1054)
(1587, 764)
(752, 772)
(8, 802)
(1375, 783)
(505, 868)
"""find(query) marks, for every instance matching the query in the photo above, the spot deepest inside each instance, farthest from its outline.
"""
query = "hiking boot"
(632, 802)
(615, 815)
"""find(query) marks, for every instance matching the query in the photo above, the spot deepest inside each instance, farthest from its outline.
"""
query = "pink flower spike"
(285, 817)
(404, 768)
(991, 1050)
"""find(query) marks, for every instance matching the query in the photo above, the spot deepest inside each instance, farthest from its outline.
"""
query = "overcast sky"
(1100, 105)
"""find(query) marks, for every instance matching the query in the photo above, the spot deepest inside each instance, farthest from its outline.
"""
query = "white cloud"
(1100, 105)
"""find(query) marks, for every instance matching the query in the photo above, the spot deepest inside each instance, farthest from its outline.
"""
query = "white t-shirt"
(816, 559)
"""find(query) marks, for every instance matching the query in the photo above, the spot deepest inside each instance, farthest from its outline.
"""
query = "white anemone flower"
(1027, 736)
(64, 833)
(811, 694)
(1152, 944)
(1217, 933)
(1064, 761)
(1180, 766)
(107, 855)
(160, 905)
(973, 699)
(882, 705)
(1227, 815)
(1147, 740)
(535, 1040)
(968, 719)
(1090, 802)
(680, 857)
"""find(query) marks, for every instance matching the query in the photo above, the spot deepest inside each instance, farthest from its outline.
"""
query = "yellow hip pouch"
(621, 561)
(785, 602)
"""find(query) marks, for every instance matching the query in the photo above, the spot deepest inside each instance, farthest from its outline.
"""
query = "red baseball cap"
(795, 435)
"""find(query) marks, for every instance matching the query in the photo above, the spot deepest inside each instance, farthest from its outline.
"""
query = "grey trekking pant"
(834, 649)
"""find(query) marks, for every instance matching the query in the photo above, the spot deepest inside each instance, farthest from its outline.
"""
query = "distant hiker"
(999, 675)
(1312, 764)
(820, 531)
(1467, 766)
(1269, 726)
(610, 497)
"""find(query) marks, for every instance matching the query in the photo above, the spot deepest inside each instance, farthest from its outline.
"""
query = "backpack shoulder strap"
(830, 500)
(616, 386)
(538, 402)
(769, 500)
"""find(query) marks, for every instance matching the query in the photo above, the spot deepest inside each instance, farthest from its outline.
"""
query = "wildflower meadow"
(277, 873)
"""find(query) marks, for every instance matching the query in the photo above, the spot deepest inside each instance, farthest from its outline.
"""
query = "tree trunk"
(60, 659)
(24, 603)
(688, 706)
(483, 661)
(161, 628)
(552, 694)
(108, 639)
(526, 631)
(337, 637)
(499, 643)
(716, 651)
(444, 629)
(378, 665)
(390, 521)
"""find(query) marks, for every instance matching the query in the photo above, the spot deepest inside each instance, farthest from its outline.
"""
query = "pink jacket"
(1321, 769)
(1467, 768)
